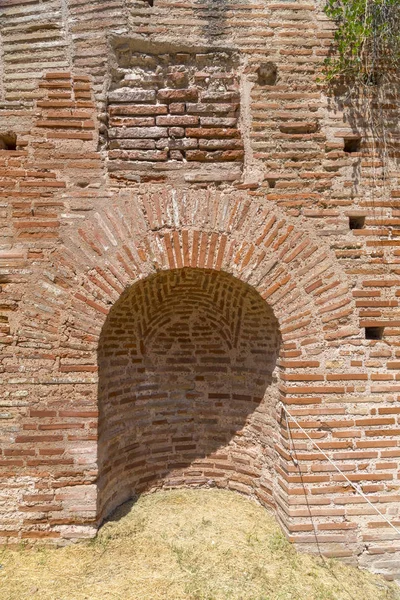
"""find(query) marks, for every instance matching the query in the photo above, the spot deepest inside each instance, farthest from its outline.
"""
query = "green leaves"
(366, 42)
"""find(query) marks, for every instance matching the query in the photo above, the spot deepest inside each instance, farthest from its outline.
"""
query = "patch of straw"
(185, 545)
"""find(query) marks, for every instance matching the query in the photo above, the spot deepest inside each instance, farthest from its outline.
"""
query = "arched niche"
(187, 389)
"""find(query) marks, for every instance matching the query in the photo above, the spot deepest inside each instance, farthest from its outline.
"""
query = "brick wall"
(306, 219)
(175, 107)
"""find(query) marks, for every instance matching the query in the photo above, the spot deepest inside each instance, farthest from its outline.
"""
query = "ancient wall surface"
(194, 230)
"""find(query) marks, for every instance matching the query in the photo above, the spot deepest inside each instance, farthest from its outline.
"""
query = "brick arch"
(120, 243)
(124, 240)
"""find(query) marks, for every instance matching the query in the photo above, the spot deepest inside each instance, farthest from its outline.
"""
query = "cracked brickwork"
(131, 282)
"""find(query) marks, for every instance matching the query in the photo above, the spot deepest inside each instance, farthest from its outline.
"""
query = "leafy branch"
(366, 45)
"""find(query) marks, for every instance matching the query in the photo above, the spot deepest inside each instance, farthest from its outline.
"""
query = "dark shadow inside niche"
(356, 222)
(267, 73)
(374, 333)
(186, 388)
(8, 141)
(352, 145)
(373, 78)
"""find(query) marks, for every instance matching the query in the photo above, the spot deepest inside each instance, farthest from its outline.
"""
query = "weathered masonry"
(193, 232)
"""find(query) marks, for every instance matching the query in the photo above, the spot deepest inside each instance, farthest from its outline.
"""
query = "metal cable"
(355, 486)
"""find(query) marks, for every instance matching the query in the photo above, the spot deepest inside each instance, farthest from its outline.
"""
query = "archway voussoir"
(96, 306)
(289, 254)
(176, 244)
(129, 268)
(166, 238)
(211, 250)
(88, 237)
(101, 287)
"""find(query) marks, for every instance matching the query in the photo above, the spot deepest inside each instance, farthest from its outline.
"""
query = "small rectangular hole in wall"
(267, 74)
(356, 222)
(8, 141)
(352, 145)
(374, 333)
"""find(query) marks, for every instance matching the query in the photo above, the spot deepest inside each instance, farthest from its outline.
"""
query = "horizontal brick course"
(177, 107)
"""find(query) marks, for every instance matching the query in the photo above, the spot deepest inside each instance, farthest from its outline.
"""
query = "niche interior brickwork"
(172, 112)
(185, 388)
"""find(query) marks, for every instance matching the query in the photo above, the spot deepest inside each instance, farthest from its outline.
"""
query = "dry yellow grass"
(185, 545)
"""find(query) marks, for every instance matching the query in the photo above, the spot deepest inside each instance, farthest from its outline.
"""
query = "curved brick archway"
(185, 388)
(120, 244)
